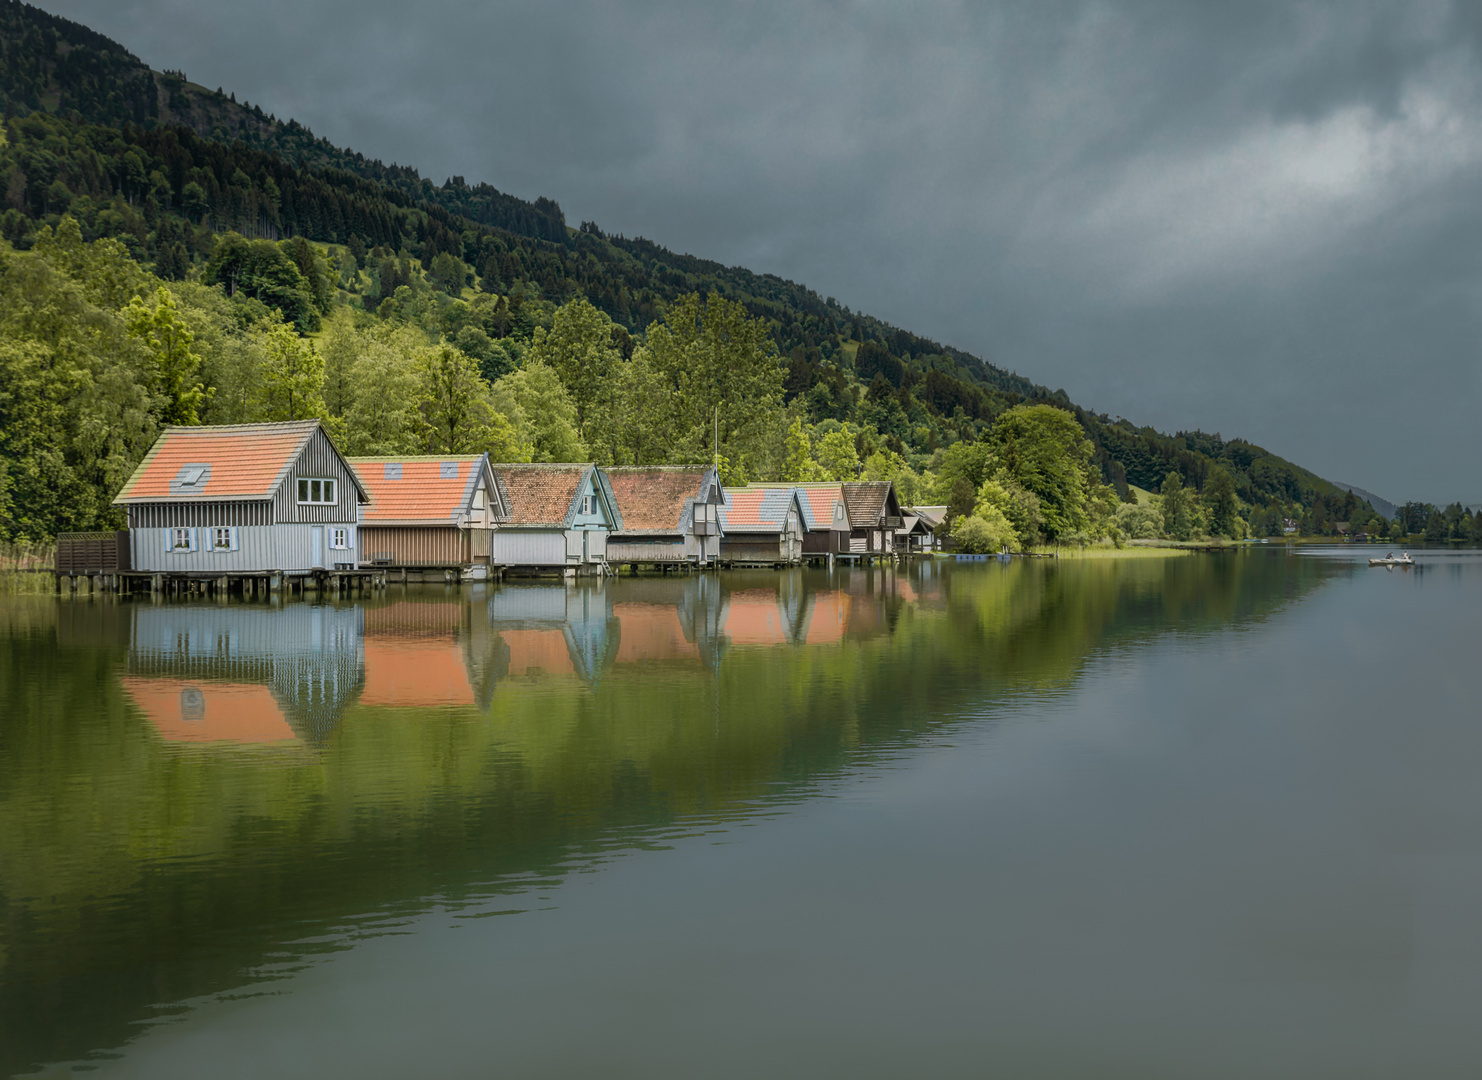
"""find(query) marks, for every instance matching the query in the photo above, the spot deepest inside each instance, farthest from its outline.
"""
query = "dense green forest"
(255, 271)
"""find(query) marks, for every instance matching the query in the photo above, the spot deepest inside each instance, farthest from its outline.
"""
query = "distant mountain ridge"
(163, 164)
(1384, 506)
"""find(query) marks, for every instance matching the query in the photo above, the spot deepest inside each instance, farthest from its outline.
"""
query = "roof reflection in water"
(309, 659)
(256, 674)
(429, 653)
(185, 711)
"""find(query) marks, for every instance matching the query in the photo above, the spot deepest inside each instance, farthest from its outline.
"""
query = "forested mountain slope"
(168, 167)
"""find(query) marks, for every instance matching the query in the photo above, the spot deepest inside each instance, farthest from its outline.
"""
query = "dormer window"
(314, 492)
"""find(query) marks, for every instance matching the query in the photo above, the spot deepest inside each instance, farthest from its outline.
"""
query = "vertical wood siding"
(318, 459)
(259, 549)
(528, 547)
(631, 550)
(190, 514)
(409, 545)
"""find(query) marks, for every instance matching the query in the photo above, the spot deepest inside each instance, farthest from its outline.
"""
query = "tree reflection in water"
(198, 798)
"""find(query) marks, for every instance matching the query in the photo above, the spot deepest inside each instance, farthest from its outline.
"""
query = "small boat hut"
(874, 515)
(670, 516)
(825, 521)
(429, 514)
(557, 518)
(244, 499)
(761, 526)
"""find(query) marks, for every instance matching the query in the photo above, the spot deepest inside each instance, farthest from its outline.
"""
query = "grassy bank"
(1107, 551)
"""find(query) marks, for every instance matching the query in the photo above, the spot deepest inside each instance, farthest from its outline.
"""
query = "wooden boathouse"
(761, 526)
(874, 515)
(429, 515)
(670, 516)
(223, 504)
(557, 519)
(825, 521)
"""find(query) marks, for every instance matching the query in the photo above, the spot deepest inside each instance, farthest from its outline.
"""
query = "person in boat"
(1389, 554)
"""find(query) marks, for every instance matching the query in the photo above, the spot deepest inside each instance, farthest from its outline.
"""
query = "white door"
(316, 547)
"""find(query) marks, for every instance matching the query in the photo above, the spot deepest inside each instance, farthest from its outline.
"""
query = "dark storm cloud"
(1261, 219)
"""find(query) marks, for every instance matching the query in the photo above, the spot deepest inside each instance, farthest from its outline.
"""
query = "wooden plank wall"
(415, 545)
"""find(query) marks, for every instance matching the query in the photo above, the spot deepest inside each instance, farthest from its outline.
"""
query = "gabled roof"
(658, 499)
(867, 501)
(421, 490)
(818, 503)
(932, 515)
(545, 495)
(757, 509)
(222, 463)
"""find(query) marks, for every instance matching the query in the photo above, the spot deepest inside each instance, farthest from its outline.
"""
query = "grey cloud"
(1257, 218)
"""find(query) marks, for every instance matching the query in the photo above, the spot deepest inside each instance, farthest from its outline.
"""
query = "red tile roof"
(757, 509)
(422, 494)
(539, 494)
(652, 499)
(247, 461)
(820, 502)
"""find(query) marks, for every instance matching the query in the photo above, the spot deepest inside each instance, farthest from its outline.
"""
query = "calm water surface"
(1214, 816)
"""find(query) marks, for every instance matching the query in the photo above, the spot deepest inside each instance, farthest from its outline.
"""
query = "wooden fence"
(92, 552)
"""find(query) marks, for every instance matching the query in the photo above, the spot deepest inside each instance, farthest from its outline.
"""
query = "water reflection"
(190, 792)
(244, 674)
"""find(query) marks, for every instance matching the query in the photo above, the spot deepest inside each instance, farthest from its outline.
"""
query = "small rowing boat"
(1390, 561)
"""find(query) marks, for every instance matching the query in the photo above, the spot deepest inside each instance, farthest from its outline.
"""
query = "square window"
(180, 539)
(221, 539)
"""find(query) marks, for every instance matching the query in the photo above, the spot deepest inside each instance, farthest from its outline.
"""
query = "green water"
(1210, 816)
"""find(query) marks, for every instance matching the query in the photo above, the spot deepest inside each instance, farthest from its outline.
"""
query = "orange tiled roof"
(652, 499)
(423, 493)
(245, 461)
(819, 501)
(757, 509)
(539, 494)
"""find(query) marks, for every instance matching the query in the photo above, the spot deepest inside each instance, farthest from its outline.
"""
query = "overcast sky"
(1258, 219)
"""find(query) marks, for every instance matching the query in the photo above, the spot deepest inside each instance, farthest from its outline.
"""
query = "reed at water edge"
(22, 566)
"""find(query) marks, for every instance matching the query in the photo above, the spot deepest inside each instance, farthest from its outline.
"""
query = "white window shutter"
(200, 538)
(235, 544)
(169, 540)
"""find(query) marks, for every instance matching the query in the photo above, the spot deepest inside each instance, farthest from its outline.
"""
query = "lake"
(1214, 816)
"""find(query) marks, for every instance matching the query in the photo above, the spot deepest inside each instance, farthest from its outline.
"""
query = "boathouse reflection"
(243, 673)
